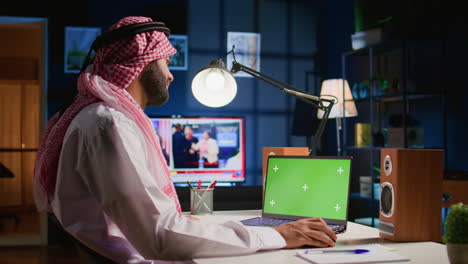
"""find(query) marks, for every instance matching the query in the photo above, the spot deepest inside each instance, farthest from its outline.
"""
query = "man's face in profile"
(155, 79)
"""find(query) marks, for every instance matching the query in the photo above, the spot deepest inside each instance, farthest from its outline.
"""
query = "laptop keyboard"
(262, 221)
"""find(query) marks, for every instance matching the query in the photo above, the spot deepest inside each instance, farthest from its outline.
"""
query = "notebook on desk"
(299, 187)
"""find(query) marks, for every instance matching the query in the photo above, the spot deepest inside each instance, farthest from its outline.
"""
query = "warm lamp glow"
(334, 88)
(214, 80)
(214, 86)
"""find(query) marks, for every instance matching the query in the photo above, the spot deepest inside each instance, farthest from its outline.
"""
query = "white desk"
(356, 234)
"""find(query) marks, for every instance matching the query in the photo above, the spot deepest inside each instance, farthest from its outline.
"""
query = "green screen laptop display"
(311, 187)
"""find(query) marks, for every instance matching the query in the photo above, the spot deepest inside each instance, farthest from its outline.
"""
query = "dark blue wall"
(289, 46)
(298, 38)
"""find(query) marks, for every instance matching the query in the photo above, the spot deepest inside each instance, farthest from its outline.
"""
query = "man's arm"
(213, 147)
(113, 166)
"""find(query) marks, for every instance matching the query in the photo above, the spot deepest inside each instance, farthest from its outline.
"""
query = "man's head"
(178, 127)
(155, 79)
(207, 135)
(188, 131)
(123, 61)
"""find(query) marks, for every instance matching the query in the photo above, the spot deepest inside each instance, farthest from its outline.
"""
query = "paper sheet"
(376, 254)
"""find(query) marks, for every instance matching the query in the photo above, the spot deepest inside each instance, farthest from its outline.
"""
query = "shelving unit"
(396, 93)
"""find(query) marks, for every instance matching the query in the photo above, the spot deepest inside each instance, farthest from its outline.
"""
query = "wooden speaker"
(410, 194)
(281, 151)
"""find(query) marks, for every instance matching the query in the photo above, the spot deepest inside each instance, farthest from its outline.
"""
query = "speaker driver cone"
(386, 199)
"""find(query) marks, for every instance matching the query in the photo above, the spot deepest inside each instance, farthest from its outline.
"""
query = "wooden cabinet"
(19, 141)
(17, 188)
(28, 160)
(10, 114)
(19, 114)
(11, 187)
(30, 126)
(23, 64)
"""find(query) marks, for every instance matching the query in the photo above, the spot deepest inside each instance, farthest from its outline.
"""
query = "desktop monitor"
(203, 148)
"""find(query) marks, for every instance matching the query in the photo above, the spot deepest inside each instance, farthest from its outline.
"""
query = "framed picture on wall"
(78, 40)
(179, 61)
(247, 50)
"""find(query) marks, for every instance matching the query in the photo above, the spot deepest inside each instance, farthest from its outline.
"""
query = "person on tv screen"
(191, 154)
(164, 151)
(209, 150)
(101, 172)
(178, 146)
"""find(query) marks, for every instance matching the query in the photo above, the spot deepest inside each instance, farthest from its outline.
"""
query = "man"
(191, 155)
(178, 146)
(101, 172)
(164, 151)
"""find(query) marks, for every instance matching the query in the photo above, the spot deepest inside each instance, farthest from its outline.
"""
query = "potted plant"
(456, 233)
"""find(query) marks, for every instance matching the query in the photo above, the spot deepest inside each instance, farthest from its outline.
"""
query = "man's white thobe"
(106, 197)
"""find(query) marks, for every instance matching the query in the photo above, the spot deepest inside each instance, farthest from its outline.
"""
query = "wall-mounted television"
(203, 148)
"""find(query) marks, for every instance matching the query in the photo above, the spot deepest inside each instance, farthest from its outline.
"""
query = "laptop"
(299, 187)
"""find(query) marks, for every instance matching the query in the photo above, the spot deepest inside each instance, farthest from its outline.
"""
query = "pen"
(204, 192)
(213, 184)
(190, 185)
(355, 251)
(198, 195)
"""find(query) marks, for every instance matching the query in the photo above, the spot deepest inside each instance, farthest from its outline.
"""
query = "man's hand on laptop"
(307, 232)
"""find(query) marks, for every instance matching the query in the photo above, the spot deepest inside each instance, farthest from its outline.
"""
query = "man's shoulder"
(98, 112)
(179, 135)
(99, 116)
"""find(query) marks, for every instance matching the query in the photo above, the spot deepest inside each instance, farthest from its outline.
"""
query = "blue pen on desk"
(354, 251)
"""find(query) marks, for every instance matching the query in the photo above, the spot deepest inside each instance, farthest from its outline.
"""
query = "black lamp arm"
(236, 67)
(321, 128)
(316, 101)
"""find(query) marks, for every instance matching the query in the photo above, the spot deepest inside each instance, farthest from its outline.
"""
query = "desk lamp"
(215, 86)
(338, 89)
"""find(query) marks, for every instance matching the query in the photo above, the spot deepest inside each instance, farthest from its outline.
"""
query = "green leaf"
(456, 224)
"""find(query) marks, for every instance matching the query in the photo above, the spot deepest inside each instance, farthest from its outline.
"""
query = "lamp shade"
(214, 85)
(334, 88)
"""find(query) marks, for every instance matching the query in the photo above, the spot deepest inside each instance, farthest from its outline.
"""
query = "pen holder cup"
(201, 201)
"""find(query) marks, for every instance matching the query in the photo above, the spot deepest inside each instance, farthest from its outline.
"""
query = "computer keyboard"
(262, 221)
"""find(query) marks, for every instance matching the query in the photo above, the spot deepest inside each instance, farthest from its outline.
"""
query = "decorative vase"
(457, 253)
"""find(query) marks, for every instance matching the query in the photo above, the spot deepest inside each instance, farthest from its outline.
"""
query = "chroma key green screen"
(304, 186)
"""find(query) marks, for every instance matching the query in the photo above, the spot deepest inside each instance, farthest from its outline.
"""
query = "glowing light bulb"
(215, 80)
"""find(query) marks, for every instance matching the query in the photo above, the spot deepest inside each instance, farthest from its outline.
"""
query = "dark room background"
(290, 41)
(302, 42)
